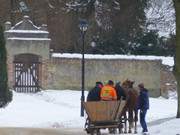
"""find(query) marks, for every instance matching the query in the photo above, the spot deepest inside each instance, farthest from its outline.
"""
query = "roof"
(26, 29)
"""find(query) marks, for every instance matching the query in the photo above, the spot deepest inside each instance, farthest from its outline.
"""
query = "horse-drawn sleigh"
(103, 114)
(112, 114)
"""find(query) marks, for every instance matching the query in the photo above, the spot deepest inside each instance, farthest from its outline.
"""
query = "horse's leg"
(121, 119)
(98, 132)
(120, 128)
(125, 123)
(136, 119)
(130, 115)
(135, 128)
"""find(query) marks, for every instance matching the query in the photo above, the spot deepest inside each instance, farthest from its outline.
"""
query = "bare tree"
(161, 16)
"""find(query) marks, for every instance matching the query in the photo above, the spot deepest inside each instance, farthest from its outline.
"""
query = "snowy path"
(159, 121)
(54, 112)
(63, 131)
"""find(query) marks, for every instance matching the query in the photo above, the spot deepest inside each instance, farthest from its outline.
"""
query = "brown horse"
(130, 108)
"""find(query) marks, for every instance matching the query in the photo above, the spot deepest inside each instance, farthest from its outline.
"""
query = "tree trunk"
(5, 94)
(177, 53)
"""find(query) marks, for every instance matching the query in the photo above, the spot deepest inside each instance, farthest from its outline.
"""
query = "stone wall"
(168, 80)
(65, 73)
(37, 47)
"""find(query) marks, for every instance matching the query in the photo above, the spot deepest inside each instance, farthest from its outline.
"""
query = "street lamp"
(83, 26)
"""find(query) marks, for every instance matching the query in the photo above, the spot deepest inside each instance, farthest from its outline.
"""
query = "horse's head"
(128, 83)
(125, 84)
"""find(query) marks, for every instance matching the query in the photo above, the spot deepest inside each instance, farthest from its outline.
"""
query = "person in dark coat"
(143, 106)
(120, 92)
(94, 94)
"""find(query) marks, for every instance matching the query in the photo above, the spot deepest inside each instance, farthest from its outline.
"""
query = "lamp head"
(83, 25)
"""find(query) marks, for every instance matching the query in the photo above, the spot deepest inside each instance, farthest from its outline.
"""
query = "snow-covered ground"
(61, 109)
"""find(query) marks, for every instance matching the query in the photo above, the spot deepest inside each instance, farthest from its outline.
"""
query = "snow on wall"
(165, 60)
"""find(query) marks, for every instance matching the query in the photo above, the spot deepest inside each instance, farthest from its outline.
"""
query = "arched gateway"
(27, 70)
(27, 53)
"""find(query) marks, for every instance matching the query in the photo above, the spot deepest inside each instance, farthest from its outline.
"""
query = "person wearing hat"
(94, 94)
(108, 92)
(143, 106)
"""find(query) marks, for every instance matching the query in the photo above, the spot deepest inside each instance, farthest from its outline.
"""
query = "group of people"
(109, 92)
(106, 92)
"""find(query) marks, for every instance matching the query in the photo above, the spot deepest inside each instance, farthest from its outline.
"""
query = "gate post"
(24, 38)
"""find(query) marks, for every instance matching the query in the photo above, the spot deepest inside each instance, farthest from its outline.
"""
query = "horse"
(130, 108)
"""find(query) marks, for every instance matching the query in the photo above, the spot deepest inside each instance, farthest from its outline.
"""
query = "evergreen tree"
(5, 94)
(167, 45)
(148, 44)
(128, 22)
(151, 44)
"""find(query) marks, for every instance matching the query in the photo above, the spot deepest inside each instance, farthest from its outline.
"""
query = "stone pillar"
(10, 72)
(7, 26)
(44, 74)
(43, 27)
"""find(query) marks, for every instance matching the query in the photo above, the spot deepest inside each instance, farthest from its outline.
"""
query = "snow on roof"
(16, 38)
(17, 24)
(27, 31)
(23, 21)
(165, 60)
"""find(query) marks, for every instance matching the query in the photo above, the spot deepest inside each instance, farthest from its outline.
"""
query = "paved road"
(40, 131)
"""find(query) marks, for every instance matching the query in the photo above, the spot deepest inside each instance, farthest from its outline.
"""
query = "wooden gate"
(27, 71)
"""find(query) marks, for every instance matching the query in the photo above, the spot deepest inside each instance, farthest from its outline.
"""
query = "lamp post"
(83, 28)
